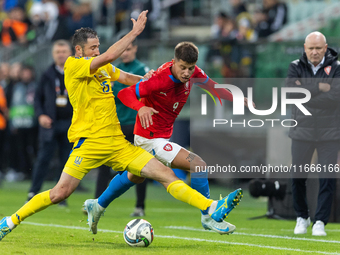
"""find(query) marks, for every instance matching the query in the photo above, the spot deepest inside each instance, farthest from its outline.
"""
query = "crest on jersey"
(167, 147)
(328, 69)
(103, 72)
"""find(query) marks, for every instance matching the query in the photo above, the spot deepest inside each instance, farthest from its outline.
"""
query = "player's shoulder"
(199, 72)
(75, 60)
(164, 67)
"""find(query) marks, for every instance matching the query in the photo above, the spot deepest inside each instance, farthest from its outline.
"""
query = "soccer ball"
(138, 233)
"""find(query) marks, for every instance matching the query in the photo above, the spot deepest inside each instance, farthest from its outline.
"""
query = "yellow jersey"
(90, 94)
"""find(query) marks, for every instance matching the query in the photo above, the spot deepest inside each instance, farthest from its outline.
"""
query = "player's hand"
(246, 102)
(145, 116)
(324, 87)
(148, 74)
(139, 25)
(45, 121)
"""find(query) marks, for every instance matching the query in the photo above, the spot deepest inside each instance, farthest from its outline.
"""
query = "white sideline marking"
(261, 235)
(283, 229)
(191, 239)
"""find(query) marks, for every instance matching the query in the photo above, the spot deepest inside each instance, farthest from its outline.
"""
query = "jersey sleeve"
(146, 87)
(80, 67)
(199, 73)
(113, 71)
(206, 83)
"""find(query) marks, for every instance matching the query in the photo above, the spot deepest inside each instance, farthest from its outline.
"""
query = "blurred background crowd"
(236, 38)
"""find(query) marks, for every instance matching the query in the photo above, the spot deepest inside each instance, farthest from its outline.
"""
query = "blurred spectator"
(10, 4)
(22, 122)
(3, 13)
(224, 48)
(122, 13)
(246, 32)
(223, 29)
(3, 124)
(15, 27)
(4, 78)
(80, 14)
(154, 8)
(54, 112)
(238, 7)
(14, 77)
(47, 23)
(271, 18)
(220, 19)
(9, 76)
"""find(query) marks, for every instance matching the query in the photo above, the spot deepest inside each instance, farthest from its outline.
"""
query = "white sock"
(10, 223)
(212, 208)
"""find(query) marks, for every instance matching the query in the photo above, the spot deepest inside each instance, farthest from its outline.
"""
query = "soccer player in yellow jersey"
(96, 132)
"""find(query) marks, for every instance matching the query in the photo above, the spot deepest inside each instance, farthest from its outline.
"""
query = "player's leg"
(187, 160)
(121, 183)
(122, 153)
(39, 202)
(218, 210)
(118, 186)
(173, 154)
(178, 189)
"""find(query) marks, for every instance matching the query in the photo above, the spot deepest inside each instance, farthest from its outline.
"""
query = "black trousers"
(302, 152)
(46, 153)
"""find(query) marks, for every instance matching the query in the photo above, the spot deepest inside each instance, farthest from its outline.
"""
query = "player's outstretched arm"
(128, 78)
(128, 97)
(131, 79)
(117, 49)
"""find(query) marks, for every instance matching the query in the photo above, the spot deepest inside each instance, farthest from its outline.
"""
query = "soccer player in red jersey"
(162, 98)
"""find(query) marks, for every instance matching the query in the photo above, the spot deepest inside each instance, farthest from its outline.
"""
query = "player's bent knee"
(134, 178)
(157, 171)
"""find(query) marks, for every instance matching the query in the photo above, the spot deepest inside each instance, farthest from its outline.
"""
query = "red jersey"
(166, 94)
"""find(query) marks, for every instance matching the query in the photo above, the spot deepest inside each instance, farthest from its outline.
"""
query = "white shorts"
(160, 148)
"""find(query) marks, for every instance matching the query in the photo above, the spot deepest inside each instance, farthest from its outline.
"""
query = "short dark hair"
(186, 51)
(81, 35)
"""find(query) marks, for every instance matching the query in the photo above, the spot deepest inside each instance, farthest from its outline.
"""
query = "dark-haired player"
(162, 98)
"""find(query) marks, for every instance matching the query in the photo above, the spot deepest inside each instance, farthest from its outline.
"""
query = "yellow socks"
(179, 190)
(36, 204)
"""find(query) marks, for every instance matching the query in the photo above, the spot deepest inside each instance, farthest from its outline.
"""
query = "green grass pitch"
(177, 228)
